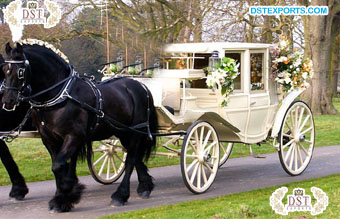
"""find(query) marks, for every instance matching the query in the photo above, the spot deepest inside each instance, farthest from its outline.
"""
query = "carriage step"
(253, 154)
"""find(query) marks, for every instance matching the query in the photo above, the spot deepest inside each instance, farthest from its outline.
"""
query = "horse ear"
(8, 48)
(19, 48)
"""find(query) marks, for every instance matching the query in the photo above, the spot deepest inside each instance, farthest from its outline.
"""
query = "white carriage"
(255, 113)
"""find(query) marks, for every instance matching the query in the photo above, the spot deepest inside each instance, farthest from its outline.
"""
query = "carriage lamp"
(213, 61)
(120, 61)
(139, 64)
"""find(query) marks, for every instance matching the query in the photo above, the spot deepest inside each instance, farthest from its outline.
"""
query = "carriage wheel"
(107, 163)
(225, 151)
(200, 157)
(296, 138)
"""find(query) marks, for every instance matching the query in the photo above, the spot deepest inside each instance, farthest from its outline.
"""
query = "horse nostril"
(11, 101)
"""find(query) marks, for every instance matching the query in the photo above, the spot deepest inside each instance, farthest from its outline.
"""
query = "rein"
(13, 134)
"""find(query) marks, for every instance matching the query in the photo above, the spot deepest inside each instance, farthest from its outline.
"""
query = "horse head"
(15, 69)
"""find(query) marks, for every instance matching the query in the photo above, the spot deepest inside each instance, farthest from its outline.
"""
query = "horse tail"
(153, 126)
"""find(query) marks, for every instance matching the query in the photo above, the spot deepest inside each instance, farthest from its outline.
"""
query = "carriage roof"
(211, 46)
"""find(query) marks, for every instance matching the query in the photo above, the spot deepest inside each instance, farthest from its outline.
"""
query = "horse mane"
(41, 43)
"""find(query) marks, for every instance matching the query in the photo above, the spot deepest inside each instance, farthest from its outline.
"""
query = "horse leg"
(69, 189)
(19, 188)
(122, 194)
(145, 185)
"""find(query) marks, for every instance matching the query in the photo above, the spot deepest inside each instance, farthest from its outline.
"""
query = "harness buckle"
(102, 114)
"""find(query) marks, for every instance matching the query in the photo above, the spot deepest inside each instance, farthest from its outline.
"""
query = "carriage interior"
(181, 95)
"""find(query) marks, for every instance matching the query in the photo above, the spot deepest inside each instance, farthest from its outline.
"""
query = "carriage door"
(259, 100)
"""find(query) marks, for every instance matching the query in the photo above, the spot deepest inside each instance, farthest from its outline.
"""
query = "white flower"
(305, 75)
(283, 43)
(291, 66)
(287, 80)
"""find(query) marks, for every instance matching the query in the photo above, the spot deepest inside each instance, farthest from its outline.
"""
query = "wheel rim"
(297, 139)
(201, 157)
(108, 162)
(225, 151)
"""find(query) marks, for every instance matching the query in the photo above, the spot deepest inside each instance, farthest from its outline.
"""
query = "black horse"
(9, 121)
(62, 113)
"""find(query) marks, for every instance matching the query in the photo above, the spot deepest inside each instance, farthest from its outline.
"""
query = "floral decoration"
(223, 78)
(291, 69)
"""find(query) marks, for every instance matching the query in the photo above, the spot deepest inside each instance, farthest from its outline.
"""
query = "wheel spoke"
(303, 149)
(197, 141)
(108, 169)
(223, 149)
(193, 147)
(286, 135)
(116, 155)
(100, 150)
(296, 118)
(192, 156)
(113, 165)
(199, 176)
(99, 159)
(292, 158)
(288, 153)
(301, 116)
(194, 173)
(201, 137)
(300, 155)
(287, 144)
(307, 130)
(304, 123)
(296, 157)
(191, 165)
(206, 139)
(208, 167)
(103, 165)
(204, 175)
(209, 147)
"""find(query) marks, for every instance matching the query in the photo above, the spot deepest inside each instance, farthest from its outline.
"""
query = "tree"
(320, 38)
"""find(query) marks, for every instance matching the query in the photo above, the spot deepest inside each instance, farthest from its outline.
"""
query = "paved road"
(237, 175)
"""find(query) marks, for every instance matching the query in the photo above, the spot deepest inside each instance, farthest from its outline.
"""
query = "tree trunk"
(320, 45)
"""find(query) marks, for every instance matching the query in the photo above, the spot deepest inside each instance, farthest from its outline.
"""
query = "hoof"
(18, 193)
(117, 203)
(145, 194)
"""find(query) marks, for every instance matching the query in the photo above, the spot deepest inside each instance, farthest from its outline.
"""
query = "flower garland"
(223, 78)
(44, 44)
(292, 70)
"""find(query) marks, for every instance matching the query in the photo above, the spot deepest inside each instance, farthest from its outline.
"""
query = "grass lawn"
(35, 164)
(246, 204)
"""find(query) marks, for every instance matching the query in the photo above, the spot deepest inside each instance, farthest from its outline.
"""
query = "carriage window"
(237, 57)
(256, 71)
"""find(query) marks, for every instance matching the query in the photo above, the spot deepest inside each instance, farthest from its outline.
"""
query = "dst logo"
(33, 14)
(17, 16)
(299, 201)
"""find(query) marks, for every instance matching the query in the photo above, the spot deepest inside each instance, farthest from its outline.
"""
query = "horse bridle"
(22, 74)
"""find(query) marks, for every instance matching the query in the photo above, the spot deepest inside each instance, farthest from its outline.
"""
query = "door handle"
(252, 103)
(212, 93)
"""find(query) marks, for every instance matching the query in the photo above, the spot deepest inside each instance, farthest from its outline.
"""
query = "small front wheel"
(296, 138)
(107, 161)
(200, 157)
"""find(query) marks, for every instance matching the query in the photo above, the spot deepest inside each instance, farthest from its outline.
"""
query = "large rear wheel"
(296, 138)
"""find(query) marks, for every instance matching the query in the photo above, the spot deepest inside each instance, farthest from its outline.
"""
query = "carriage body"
(251, 111)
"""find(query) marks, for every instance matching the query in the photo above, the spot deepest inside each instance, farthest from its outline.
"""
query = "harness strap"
(6, 136)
